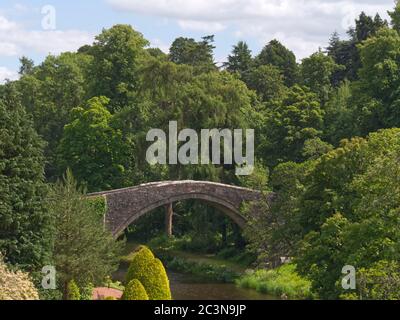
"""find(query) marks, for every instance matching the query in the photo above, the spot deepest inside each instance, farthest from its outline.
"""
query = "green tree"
(27, 66)
(135, 291)
(289, 124)
(83, 249)
(93, 149)
(73, 291)
(376, 95)
(117, 56)
(379, 282)
(25, 231)
(395, 17)
(346, 53)
(49, 92)
(240, 60)
(267, 81)
(316, 73)
(345, 214)
(339, 120)
(276, 54)
(151, 273)
(197, 54)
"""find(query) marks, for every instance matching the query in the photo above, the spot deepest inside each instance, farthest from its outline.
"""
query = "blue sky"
(302, 25)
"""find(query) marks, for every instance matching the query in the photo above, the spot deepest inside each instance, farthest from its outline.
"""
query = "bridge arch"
(125, 206)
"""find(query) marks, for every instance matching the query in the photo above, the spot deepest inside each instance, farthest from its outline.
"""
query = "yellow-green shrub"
(73, 291)
(110, 298)
(135, 291)
(15, 285)
(151, 273)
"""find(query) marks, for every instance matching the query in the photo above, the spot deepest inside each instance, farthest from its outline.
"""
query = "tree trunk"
(168, 219)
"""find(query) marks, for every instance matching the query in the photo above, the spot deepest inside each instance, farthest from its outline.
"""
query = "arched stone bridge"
(124, 206)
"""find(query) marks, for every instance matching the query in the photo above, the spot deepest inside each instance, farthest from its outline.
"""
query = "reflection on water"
(187, 287)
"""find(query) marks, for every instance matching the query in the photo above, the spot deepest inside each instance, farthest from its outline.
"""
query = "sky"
(36, 28)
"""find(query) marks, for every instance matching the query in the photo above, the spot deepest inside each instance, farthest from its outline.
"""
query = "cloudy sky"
(35, 28)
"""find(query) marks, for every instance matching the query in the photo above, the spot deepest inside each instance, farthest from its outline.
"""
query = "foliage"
(16, 285)
(73, 292)
(333, 174)
(395, 17)
(98, 204)
(92, 148)
(83, 250)
(87, 292)
(379, 282)
(151, 273)
(197, 54)
(117, 54)
(281, 282)
(316, 73)
(135, 291)
(49, 92)
(289, 125)
(267, 81)
(376, 94)
(206, 271)
(240, 60)
(276, 54)
(351, 221)
(25, 223)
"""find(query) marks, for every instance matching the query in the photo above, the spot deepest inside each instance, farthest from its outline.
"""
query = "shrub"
(379, 282)
(110, 298)
(16, 285)
(283, 281)
(87, 292)
(135, 291)
(73, 291)
(151, 273)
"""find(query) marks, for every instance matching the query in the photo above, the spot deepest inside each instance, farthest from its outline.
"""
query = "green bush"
(151, 273)
(98, 204)
(379, 282)
(73, 291)
(135, 291)
(110, 298)
(87, 292)
(283, 281)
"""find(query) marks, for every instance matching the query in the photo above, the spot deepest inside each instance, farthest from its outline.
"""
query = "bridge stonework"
(124, 206)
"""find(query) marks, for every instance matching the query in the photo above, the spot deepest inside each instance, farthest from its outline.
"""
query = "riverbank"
(190, 272)
(283, 282)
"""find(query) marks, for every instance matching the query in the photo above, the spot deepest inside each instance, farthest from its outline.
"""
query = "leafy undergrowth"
(283, 281)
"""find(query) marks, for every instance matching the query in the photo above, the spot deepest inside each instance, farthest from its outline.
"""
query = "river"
(188, 287)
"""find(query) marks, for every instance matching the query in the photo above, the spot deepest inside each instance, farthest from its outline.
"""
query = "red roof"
(102, 293)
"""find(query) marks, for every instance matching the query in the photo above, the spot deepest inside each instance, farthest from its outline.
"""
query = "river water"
(188, 287)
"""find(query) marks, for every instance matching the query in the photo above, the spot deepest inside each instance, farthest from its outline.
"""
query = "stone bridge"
(124, 206)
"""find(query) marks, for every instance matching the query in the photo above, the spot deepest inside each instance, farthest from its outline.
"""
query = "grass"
(283, 281)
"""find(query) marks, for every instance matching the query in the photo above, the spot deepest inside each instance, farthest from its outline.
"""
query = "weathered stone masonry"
(124, 206)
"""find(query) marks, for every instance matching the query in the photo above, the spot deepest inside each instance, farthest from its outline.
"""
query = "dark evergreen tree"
(240, 60)
(25, 225)
(276, 54)
(189, 51)
(395, 17)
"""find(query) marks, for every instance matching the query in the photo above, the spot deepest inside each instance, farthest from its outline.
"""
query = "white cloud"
(6, 73)
(16, 40)
(158, 43)
(303, 25)
(201, 25)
